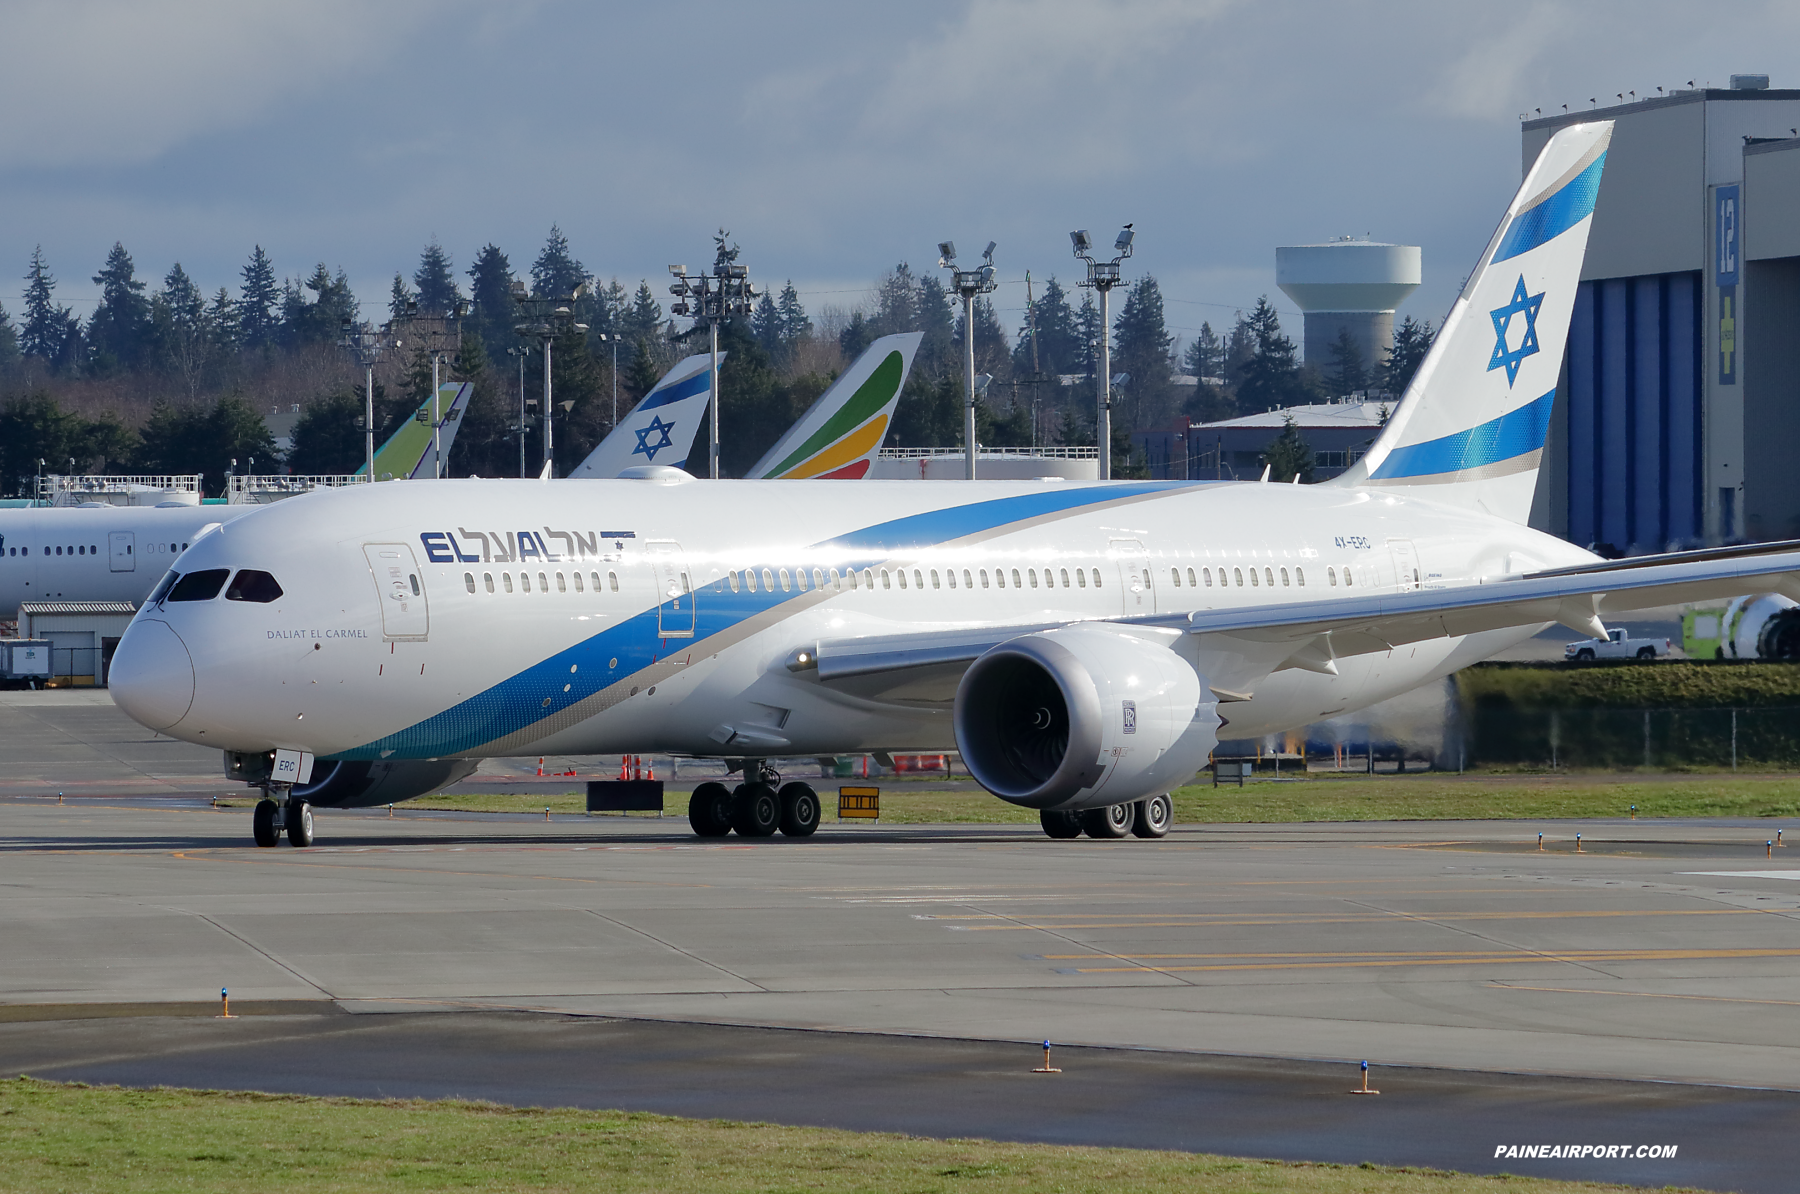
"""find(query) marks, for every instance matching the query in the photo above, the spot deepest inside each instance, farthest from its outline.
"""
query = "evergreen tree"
(1075, 432)
(991, 353)
(1271, 377)
(180, 328)
(614, 307)
(1412, 342)
(46, 331)
(438, 293)
(896, 302)
(117, 330)
(400, 298)
(320, 320)
(556, 273)
(1240, 346)
(857, 335)
(199, 439)
(9, 347)
(33, 427)
(929, 413)
(257, 299)
(642, 374)
(1347, 374)
(328, 436)
(1141, 348)
(795, 326)
(1205, 357)
(765, 325)
(1288, 455)
(1058, 337)
(486, 445)
(1088, 330)
(644, 320)
(491, 307)
(223, 322)
(935, 318)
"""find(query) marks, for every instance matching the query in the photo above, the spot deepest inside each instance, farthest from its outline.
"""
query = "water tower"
(1348, 284)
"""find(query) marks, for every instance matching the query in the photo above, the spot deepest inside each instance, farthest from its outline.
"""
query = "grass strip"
(74, 1137)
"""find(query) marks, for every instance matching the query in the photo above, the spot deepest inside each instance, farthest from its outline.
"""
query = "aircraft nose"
(152, 676)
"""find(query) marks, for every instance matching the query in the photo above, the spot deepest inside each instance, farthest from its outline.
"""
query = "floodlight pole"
(1103, 276)
(367, 346)
(968, 283)
(712, 299)
(553, 316)
(522, 351)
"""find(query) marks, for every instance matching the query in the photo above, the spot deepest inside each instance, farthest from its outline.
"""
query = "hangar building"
(1680, 395)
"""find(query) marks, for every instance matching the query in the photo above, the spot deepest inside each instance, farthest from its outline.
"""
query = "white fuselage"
(617, 616)
(111, 553)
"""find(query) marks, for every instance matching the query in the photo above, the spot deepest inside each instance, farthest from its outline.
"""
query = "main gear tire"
(1113, 821)
(799, 810)
(299, 823)
(755, 810)
(1153, 816)
(709, 810)
(1060, 824)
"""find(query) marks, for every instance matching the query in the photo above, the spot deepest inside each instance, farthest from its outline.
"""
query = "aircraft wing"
(661, 428)
(1312, 635)
(840, 434)
(407, 453)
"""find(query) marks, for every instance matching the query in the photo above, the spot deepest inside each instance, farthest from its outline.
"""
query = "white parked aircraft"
(660, 429)
(1080, 644)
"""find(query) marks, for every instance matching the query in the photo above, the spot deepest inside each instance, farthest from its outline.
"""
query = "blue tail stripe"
(1555, 215)
(1512, 434)
(676, 391)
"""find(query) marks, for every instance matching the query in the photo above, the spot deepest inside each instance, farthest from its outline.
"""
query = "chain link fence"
(1649, 738)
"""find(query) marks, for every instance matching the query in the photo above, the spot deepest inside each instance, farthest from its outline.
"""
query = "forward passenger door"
(1137, 587)
(400, 588)
(674, 589)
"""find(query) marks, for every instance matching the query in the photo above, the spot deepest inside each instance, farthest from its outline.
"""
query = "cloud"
(91, 82)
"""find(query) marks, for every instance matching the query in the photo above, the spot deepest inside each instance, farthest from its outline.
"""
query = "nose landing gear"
(278, 812)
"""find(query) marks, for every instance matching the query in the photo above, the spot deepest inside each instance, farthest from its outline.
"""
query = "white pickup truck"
(1618, 644)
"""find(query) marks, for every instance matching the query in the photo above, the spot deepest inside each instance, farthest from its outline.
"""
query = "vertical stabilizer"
(406, 455)
(660, 429)
(1470, 429)
(841, 433)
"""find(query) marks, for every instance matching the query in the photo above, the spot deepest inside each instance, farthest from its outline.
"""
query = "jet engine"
(359, 783)
(1084, 716)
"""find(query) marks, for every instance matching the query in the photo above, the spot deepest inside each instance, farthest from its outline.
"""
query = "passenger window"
(561, 585)
(506, 581)
(414, 580)
(768, 579)
(1269, 577)
(1347, 578)
(1175, 577)
(1206, 575)
(487, 578)
(1299, 578)
(984, 578)
(468, 582)
(1065, 577)
(1096, 578)
(577, 579)
(1032, 573)
(799, 578)
(1238, 576)
(543, 583)
(886, 581)
(524, 582)
(918, 579)
(1331, 576)
(1284, 578)
(612, 581)
(869, 578)
(1253, 579)
(594, 579)
(999, 578)
(818, 579)
(1192, 583)
(1080, 578)
(731, 578)
(837, 580)
(1016, 583)
(200, 586)
(950, 575)
(934, 579)
(902, 573)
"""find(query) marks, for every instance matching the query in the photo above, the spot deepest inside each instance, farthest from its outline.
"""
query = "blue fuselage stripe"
(700, 383)
(1512, 434)
(1555, 215)
(537, 692)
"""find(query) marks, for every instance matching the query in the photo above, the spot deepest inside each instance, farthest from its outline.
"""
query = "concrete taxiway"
(1663, 951)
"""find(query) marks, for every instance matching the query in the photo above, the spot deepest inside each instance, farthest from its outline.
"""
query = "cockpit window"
(163, 586)
(200, 586)
(250, 585)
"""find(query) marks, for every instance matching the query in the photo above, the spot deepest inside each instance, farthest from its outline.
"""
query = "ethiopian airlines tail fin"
(1470, 429)
(406, 455)
(841, 433)
(660, 429)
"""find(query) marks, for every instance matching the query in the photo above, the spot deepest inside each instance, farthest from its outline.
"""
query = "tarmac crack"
(673, 948)
(252, 947)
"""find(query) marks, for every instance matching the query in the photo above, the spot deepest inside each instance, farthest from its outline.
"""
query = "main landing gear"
(755, 808)
(279, 812)
(1150, 817)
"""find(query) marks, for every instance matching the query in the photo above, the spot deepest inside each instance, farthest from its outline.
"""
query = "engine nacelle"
(358, 783)
(1084, 716)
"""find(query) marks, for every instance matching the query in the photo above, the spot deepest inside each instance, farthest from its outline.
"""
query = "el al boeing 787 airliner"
(1082, 645)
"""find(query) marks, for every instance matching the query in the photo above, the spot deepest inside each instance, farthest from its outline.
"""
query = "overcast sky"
(832, 139)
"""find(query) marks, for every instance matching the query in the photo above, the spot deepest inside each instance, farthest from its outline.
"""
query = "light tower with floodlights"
(712, 299)
(1103, 276)
(968, 283)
